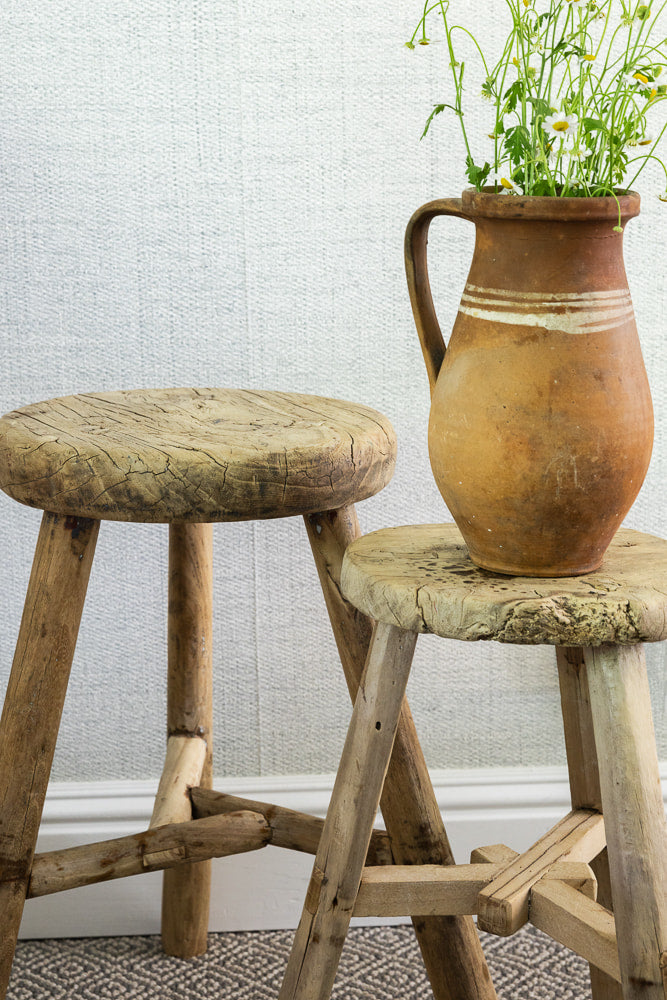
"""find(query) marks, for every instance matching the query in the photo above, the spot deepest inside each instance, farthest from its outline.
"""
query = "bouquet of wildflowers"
(575, 93)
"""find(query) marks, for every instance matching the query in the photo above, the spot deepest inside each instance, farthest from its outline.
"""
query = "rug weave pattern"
(379, 963)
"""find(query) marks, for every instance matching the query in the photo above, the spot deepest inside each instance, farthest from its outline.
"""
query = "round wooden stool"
(188, 457)
(420, 579)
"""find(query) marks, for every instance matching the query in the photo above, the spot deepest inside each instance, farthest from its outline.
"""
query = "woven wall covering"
(207, 193)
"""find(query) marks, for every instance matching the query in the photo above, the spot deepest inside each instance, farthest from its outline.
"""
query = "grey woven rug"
(378, 964)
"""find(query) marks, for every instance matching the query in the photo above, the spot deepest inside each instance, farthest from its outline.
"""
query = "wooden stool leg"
(450, 946)
(584, 779)
(634, 813)
(186, 889)
(33, 705)
(347, 831)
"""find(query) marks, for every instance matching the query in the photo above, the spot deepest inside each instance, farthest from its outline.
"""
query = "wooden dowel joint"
(290, 829)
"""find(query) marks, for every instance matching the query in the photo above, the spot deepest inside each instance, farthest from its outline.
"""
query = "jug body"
(541, 424)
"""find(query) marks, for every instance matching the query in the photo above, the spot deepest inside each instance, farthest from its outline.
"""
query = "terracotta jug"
(541, 422)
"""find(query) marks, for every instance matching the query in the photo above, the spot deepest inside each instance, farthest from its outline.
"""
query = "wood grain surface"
(422, 579)
(194, 454)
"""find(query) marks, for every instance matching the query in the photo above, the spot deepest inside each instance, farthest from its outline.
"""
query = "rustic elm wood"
(183, 768)
(153, 850)
(186, 457)
(294, 830)
(633, 804)
(582, 765)
(354, 803)
(449, 944)
(33, 705)
(421, 579)
(186, 890)
(434, 889)
(503, 904)
(166, 455)
(572, 918)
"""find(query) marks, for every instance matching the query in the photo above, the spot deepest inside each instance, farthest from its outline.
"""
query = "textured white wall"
(197, 192)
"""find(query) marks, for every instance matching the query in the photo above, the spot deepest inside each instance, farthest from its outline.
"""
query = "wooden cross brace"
(551, 885)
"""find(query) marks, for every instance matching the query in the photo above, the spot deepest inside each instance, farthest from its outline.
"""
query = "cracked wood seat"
(421, 579)
(193, 455)
(187, 457)
(611, 846)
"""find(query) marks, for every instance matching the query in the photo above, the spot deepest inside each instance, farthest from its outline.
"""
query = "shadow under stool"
(186, 457)
(598, 886)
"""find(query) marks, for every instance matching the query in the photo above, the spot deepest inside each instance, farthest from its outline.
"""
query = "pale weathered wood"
(576, 921)
(422, 579)
(495, 854)
(290, 829)
(33, 705)
(183, 767)
(584, 777)
(634, 813)
(186, 891)
(578, 875)
(437, 890)
(450, 946)
(153, 850)
(503, 905)
(354, 802)
(194, 454)
(427, 890)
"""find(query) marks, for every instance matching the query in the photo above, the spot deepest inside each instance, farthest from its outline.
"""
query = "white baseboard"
(264, 889)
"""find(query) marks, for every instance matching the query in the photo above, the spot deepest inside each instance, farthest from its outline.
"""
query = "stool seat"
(193, 454)
(421, 579)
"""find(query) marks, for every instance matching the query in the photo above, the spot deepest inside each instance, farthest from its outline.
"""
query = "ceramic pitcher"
(541, 423)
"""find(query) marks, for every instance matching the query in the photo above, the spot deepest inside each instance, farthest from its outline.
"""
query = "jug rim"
(493, 205)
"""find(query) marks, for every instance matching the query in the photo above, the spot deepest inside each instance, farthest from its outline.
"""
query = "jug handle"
(426, 321)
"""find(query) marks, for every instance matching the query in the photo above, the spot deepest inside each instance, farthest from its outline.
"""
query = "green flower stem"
(611, 110)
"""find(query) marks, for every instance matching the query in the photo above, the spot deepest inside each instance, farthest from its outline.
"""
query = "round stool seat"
(421, 579)
(192, 454)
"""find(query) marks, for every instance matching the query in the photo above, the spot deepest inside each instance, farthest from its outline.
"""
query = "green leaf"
(594, 125)
(517, 143)
(438, 109)
(476, 175)
(512, 96)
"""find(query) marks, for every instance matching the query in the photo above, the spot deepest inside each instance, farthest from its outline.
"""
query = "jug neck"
(544, 244)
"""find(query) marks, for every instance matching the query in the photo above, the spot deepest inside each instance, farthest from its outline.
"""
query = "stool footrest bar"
(422, 890)
(155, 849)
(291, 829)
(446, 890)
(579, 923)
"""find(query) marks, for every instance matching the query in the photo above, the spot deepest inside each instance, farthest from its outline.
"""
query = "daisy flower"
(506, 184)
(638, 78)
(560, 126)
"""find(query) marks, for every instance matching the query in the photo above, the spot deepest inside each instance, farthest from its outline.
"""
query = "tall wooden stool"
(420, 579)
(188, 457)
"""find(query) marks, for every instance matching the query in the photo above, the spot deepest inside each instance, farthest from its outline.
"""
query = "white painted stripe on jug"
(621, 293)
(576, 313)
